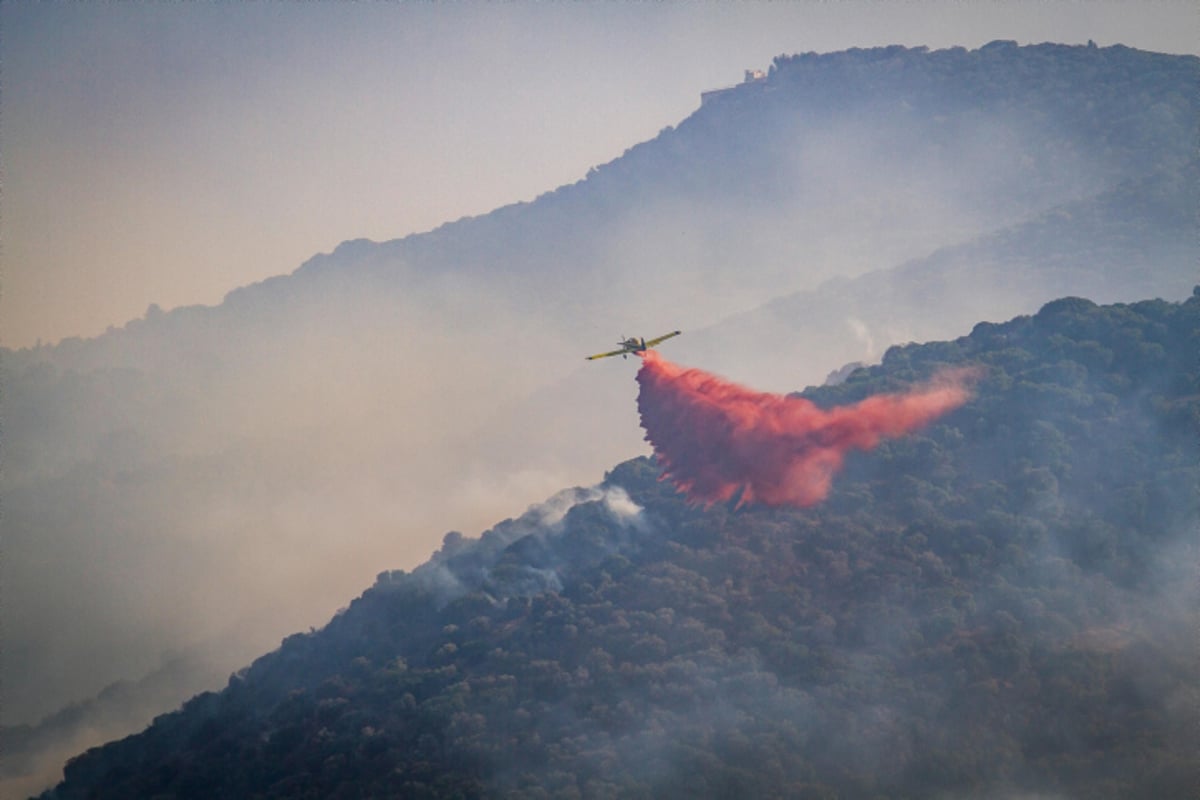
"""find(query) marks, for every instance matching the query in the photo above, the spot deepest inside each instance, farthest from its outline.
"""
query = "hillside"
(167, 485)
(1003, 603)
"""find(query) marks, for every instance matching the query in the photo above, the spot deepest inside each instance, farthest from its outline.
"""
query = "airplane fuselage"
(633, 345)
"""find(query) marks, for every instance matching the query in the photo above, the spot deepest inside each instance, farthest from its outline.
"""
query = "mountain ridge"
(811, 78)
(986, 606)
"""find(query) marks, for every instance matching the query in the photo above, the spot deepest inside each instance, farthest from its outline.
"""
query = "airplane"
(633, 345)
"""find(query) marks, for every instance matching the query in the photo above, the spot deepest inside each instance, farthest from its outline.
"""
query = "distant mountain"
(1000, 605)
(34, 754)
(1139, 236)
(833, 165)
(219, 476)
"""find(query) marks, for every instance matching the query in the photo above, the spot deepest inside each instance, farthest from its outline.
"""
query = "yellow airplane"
(633, 345)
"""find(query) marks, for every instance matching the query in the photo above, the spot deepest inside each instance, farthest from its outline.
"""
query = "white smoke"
(863, 334)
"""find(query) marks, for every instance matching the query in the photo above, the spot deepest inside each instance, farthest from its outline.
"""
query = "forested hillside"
(1001, 604)
(167, 486)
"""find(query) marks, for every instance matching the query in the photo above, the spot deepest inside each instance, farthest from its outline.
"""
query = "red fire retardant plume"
(714, 438)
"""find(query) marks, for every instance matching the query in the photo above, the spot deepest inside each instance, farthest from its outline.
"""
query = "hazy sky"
(169, 152)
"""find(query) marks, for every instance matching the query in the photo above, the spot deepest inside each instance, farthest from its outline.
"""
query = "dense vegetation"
(1001, 603)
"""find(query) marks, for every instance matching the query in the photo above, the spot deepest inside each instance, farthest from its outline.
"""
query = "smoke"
(463, 565)
(716, 439)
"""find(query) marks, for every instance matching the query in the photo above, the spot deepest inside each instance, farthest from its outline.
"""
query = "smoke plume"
(715, 438)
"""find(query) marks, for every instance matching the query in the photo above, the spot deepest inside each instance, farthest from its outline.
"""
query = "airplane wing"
(652, 342)
(606, 355)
